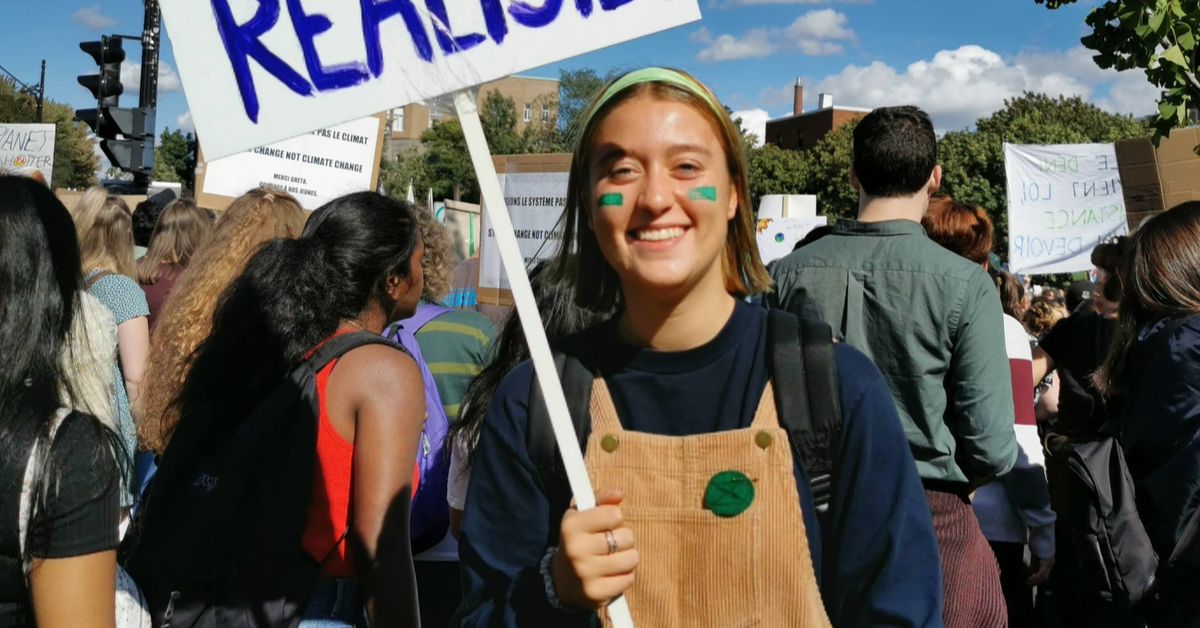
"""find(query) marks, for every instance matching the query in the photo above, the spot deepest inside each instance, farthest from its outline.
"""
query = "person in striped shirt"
(453, 346)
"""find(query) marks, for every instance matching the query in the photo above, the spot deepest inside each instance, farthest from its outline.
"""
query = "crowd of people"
(273, 418)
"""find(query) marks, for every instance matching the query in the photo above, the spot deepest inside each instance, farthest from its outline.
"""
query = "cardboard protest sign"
(778, 236)
(259, 71)
(27, 148)
(535, 190)
(315, 168)
(1157, 179)
(1063, 200)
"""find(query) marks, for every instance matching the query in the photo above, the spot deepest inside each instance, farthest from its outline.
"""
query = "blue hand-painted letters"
(244, 41)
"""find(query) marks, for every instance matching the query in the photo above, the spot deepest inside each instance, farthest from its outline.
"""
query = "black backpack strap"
(342, 344)
(539, 436)
(800, 353)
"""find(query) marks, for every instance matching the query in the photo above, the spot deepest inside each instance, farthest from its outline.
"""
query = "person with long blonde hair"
(182, 227)
(104, 225)
(256, 217)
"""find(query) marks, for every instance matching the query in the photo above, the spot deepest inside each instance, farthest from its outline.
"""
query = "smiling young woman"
(705, 518)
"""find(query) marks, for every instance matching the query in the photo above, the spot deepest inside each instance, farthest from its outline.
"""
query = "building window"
(545, 113)
(528, 112)
(799, 139)
(779, 140)
(398, 119)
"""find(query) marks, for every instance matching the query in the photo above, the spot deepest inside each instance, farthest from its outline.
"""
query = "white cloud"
(815, 33)
(91, 18)
(957, 87)
(184, 122)
(131, 77)
(729, 4)
(754, 121)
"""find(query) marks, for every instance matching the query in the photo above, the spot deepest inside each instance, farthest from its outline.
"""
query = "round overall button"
(609, 443)
(763, 439)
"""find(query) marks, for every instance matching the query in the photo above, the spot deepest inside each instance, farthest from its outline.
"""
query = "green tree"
(973, 161)
(1157, 36)
(410, 165)
(450, 172)
(499, 119)
(828, 173)
(175, 158)
(75, 160)
(576, 88)
(774, 170)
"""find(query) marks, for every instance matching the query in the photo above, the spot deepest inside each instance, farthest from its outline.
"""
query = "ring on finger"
(612, 541)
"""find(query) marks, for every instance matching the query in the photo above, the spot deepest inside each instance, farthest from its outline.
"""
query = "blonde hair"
(92, 197)
(580, 262)
(255, 218)
(105, 228)
(437, 263)
(181, 228)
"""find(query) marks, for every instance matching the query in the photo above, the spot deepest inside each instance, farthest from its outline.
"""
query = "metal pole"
(148, 91)
(41, 94)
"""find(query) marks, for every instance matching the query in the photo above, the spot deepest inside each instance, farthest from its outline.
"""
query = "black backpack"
(1092, 492)
(800, 357)
(217, 541)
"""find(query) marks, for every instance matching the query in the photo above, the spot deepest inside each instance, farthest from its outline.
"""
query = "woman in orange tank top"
(355, 268)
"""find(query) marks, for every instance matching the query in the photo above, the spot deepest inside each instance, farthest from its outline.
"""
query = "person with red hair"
(1013, 511)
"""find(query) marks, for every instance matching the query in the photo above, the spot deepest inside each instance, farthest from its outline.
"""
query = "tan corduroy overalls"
(697, 569)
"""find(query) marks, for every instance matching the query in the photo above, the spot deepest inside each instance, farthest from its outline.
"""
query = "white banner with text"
(1063, 200)
(315, 168)
(536, 201)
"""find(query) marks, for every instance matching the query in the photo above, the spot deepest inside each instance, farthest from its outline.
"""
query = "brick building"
(536, 101)
(802, 130)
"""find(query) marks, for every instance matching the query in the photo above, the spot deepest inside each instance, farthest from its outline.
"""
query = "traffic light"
(106, 85)
(126, 134)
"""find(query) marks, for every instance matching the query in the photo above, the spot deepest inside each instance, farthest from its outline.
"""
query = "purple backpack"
(429, 518)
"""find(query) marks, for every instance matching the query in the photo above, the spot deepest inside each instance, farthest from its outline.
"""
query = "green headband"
(653, 75)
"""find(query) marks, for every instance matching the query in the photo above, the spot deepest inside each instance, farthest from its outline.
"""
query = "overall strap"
(766, 417)
(604, 413)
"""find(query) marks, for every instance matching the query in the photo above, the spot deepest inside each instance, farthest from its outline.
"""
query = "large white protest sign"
(1063, 200)
(536, 201)
(315, 168)
(259, 71)
(26, 148)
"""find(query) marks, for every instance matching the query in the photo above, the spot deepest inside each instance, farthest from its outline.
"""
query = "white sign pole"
(531, 320)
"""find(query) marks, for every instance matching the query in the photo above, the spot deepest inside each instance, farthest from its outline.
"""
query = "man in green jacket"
(932, 322)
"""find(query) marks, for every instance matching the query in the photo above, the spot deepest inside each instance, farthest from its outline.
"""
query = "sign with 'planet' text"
(27, 148)
(259, 71)
(1063, 200)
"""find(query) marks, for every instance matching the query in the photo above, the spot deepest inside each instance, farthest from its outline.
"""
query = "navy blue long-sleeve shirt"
(879, 567)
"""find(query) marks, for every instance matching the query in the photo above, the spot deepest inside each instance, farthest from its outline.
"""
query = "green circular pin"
(729, 493)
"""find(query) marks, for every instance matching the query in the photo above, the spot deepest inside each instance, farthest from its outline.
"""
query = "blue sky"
(959, 59)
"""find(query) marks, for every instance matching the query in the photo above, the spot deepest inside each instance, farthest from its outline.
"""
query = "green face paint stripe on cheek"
(612, 199)
(707, 193)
